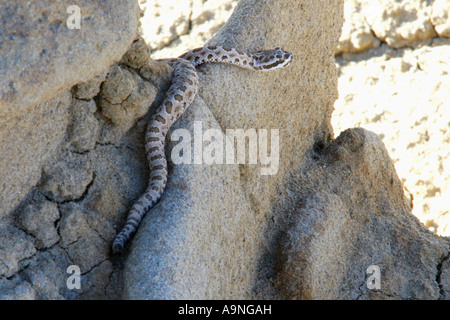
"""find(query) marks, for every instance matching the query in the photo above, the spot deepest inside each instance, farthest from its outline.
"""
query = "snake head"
(268, 60)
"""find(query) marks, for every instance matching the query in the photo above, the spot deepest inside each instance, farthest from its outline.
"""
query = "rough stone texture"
(84, 128)
(124, 98)
(38, 219)
(334, 208)
(36, 42)
(16, 290)
(403, 96)
(331, 225)
(356, 34)
(263, 104)
(89, 89)
(415, 81)
(16, 247)
(47, 275)
(440, 17)
(173, 256)
(41, 59)
(443, 277)
(25, 149)
(47, 130)
(67, 178)
(173, 27)
(399, 23)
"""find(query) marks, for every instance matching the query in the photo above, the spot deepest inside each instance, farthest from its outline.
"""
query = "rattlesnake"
(178, 98)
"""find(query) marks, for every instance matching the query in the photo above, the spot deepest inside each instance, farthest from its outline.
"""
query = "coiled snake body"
(180, 95)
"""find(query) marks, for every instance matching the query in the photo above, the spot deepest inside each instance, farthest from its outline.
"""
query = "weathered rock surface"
(402, 94)
(46, 133)
(264, 104)
(200, 245)
(42, 55)
(333, 211)
(342, 213)
(16, 247)
(38, 219)
(41, 59)
(171, 27)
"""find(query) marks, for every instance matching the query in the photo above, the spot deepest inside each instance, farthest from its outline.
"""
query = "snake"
(180, 95)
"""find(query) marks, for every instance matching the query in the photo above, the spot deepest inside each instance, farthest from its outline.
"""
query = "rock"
(26, 147)
(47, 131)
(89, 89)
(443, 277)
(403, 97)
(394, 22)
(85, 247)
(84, 129)
(41, 59)
(357, 35)
(15, 248)
(398, 24)
(168, 258)
(43, 54)
(66, 178)
(171, 29)
(38, 219)
(167, 21)
(47, 275)
(124, 98)
(173, 255)
(117, 87)
(138, 55)
(16, 289)
(329, 232)
(271, 102)
(440, 17)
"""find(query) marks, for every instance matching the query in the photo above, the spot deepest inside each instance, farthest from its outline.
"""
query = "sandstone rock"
(402, 95)
(169, 250)
(84, 129)
(47, 276)
(171, 29)
(89, 89)
(167, 20)
(356, 33)
(173, 255)
(38, 219)
(399, 24)
(66, 178)
(41, 59)
(443, 277)
(440, 17)
(38, 42)
(15, 248)
(138, 55)
(85, 247)
(16, 289)
(25, 149)
(124, 98)
(265, 104)
(329, 232)
(40, 120)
